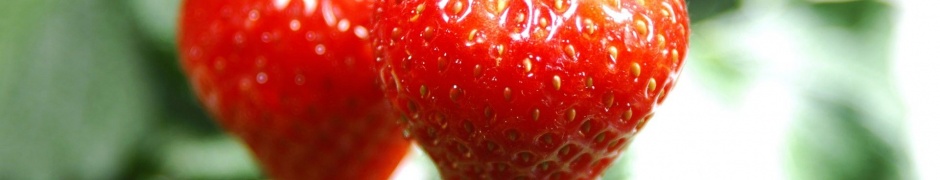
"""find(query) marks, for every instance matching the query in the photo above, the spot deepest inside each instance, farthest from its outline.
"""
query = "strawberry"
(295, 80)
(499, 89)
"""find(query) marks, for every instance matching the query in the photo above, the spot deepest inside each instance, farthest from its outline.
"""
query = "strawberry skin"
(499, 89)
(296, 82)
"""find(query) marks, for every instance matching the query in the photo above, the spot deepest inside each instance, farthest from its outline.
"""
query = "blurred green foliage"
(851, 123)
(701, 9)
(90, 89)
(75, 95)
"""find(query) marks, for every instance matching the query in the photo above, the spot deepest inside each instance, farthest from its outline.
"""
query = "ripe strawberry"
(294, 80)
(528, 89)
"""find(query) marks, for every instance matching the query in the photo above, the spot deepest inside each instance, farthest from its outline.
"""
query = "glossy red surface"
(296, 82)
(532, 89)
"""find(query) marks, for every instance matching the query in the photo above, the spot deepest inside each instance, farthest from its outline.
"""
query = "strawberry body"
(528, 89)
(296, 81)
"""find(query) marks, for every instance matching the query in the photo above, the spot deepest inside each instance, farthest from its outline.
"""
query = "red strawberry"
(296, 81)
(528, 89)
